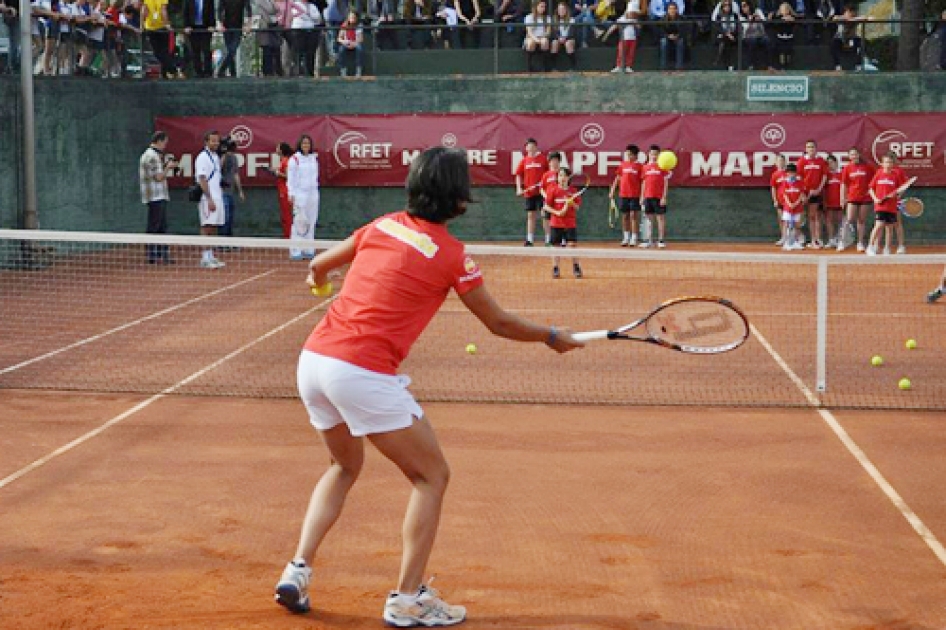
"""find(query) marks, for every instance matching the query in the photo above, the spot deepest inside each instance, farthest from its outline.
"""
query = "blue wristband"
(553, 335)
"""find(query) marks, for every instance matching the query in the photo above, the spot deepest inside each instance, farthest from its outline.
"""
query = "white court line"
(128, 325)
(170, 390)
(918, 525)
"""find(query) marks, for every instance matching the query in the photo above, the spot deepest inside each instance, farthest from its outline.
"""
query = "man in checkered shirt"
(152, 173)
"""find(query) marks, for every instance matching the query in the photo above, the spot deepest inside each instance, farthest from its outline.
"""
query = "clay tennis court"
(698, 493)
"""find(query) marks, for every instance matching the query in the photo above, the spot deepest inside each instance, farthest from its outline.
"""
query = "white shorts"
(217, 217)
(788, 217)
(335, 391)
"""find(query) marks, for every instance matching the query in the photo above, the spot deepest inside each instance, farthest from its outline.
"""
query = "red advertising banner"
(714, 150)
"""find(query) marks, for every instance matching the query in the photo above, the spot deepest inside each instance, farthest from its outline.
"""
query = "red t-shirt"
(404, 267)
(630, 173)
(812, 171)
(856, 179)
(832, 191)
(549, 179)
(776, 181)
(790, 194)
(884, 184)
(654, 178)
(557, 198)
(531, 169)
(282, 184)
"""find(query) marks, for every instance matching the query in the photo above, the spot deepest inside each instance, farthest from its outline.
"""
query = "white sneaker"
(646, 244)
(616, 70)
(832, 243)
(208, 263)
(628, 70)
(796, 246)
(886, 251)
(661, 245)
(902, 249)
(292, 590)
(860, 247)
(786, 247)
(870, 251)
(424, 609)
(218, 263)
(632, 242)
(625, 242)
(780, 242)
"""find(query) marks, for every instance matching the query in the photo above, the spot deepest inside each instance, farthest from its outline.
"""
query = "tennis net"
(88, 312)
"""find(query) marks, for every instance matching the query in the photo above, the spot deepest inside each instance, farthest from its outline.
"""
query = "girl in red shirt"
(885, 189)
(793, 197)
(855, 184)
(282, 189)
(832, 201)
(403, 266)
(549, 181)
(562, 204)
(775, 187)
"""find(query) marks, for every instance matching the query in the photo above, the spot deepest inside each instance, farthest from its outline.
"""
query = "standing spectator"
(469, 14)
(334, 12)
(152, 176)
(855, 193)
(233, 20)
(449, 17)
(303, 188)
(727, 36)
(776, 181)
(847, 38)
(672, 38)
(45, 30)
(755, 41)
(65, 48)
(199, 18)
(420, 15)
(627, 183)
(210, 207)
(10, 13)
(584, 13)
(95, 41)
(529, 185)
(156, 22)
(511, 13)
(268, 37)
(784, 26)
(563, 34)
(626, 25)
(229, 182)
(383, 14)
(351, 39)
(304, 41)
(813, 169)
(284, 151)
(654, 197)
(538, 32)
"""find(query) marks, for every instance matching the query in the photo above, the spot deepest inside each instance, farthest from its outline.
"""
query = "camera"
(227, 144)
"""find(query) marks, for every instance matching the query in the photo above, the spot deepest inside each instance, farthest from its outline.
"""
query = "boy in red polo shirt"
(529, 185)
(832, 201)
(654, 196)
(775, 187)
(813, 170)
(627, 182)
(562, 204)
(403, 267)
(549, 179)
(793, 199)
(885, 189)
(855, 194)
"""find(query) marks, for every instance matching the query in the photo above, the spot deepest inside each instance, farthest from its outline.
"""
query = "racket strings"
(698, 324)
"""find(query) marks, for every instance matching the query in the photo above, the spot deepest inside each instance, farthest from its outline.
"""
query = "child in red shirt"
(885, 189)
(793, 197)
(813, 169)
(654, 196)
(775, 187)
(627, 183)
(529, 184)
(562, 203)
(855, 184)
(832, 201)
(549, 180)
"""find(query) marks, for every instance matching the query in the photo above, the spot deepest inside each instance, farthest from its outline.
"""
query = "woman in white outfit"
(303, 185)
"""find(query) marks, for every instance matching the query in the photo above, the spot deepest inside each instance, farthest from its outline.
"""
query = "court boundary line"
(131, 324)
(905, 510)
(22, 472)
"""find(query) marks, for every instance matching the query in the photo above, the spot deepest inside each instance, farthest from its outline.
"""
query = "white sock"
(208, 254)
(530, 237)
(627, 236)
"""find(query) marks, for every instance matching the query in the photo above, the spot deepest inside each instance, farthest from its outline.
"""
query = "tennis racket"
(697, 325)
(612, 214)
(911, 207)
(580, 182)
(527, 191)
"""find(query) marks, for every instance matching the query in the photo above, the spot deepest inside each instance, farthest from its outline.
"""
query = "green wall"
(90, 134)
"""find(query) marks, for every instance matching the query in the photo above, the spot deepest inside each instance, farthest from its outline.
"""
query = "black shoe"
(555, 273)
(528, 244)
(934, 295)
(577, 270)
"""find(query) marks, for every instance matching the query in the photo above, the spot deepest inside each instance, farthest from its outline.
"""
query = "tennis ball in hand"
(324, 290)
(911, 344)
(905, 384)
(471, 348)
(877, 360)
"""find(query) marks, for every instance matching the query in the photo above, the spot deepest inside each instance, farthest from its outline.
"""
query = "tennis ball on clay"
(471, 348)
(905, 384)
(877, 360)
(911, 344)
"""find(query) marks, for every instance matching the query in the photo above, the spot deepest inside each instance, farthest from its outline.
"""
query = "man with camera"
(230, 183)
(152, 173)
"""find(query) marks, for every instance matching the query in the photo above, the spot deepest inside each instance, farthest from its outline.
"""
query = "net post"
(821, 384)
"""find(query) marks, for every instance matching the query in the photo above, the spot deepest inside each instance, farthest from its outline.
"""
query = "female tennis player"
(403, 265)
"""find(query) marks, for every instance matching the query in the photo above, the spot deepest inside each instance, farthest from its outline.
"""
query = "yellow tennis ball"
(905, 384)
(667, 160)
(471, 348)
(911, 344)
(324, 290)
(877, 360)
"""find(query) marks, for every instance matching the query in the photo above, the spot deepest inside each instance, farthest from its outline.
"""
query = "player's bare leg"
(661, 229)
(939, 291)
(547, 229)
(576, 267)
(901, 236)
(814, 222)
(530, 227)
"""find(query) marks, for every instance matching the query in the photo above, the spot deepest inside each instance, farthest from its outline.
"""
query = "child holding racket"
(549, 180)
(855, 193)
(794, 198)
(562, 204)
(529, 185)
(885, 189)
(627, 182)
(403, 265)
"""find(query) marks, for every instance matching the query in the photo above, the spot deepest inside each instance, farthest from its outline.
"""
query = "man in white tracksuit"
(303, 186)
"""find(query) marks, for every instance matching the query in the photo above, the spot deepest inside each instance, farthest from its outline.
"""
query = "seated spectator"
(538, 33)
(784, 26)
(626, 25)
(419, 13)
(726, 27)
(563, 34)
(672, 37)
(584, 13)
(449, 17)
(755, 41)
(304, 36)
(351, 40)
(469, 15)
(847, 39)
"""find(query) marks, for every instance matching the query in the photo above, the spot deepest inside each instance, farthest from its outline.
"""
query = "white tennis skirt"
(335, 391)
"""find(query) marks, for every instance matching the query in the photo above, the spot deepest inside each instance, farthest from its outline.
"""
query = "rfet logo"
(773, 135)
(353, 150)
(911, 154)
(243, 136)
(591, 135)
(449, 140)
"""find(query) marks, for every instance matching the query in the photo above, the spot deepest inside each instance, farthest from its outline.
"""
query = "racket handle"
(591, 335)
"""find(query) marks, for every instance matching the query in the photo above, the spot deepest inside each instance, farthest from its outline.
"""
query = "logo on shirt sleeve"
(471, 269)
